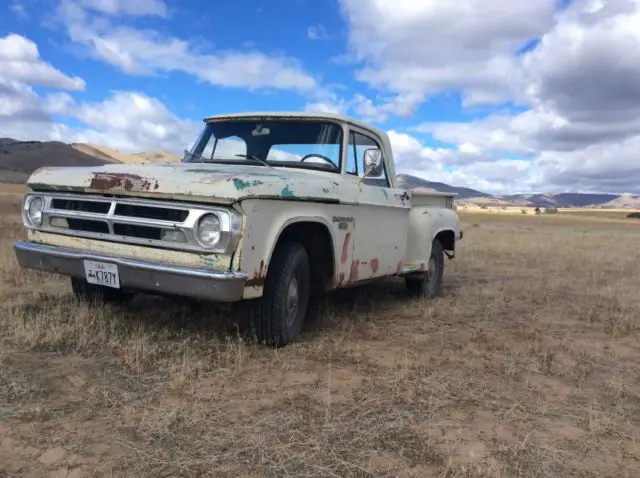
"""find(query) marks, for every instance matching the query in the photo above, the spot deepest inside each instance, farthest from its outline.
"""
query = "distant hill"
(157, 157)
(472, 196)
(18, 159)
(408, 181)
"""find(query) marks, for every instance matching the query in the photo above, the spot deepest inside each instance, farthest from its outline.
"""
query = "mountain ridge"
(18, 159)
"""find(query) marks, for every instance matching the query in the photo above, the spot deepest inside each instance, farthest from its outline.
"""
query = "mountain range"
(18, 159)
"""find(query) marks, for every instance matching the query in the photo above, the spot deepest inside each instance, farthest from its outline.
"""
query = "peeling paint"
(386, 195)
(325, 190)
(341, 279)
(239, 184)
(374, 265)
(353, 274)
(286, 192)
(345, 248)
(259, 276)
(125, 181)
(399, 268)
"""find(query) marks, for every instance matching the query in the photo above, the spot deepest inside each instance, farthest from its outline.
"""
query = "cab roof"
(297, 114)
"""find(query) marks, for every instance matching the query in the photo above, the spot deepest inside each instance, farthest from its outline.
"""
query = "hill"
(157, 157)
(18, 159)
(408, 181)
(479, 198)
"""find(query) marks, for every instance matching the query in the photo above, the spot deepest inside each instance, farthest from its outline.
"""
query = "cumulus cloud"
(577, 83)
(145, 52)
(21, 62)
(417, 49)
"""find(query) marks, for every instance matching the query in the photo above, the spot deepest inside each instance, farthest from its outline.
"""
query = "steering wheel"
(321, 156)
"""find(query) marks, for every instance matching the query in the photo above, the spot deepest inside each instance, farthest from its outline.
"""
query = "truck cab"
(265, 207)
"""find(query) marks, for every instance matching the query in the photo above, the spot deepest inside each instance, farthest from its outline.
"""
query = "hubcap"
(292, 301)
(431, 271)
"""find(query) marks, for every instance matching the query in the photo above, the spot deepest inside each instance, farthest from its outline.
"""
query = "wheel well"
(447, 239)
(316, 239)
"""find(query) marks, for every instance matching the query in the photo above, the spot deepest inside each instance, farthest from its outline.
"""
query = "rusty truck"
(264, 207)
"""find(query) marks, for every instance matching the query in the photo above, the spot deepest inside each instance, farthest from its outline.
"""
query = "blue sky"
(471, 93)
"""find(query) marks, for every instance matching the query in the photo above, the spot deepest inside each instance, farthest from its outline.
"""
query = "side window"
(358, 143)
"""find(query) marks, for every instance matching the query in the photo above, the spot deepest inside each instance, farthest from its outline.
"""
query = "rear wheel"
(429, 284)
(278, 316)
(92, 292)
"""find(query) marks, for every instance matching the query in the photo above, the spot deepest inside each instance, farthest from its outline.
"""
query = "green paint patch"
(239, 184)
(211, 261)
(286, 192)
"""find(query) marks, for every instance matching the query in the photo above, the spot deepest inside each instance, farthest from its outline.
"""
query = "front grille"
(142, 232)
(150, 212)
(84, 206)
(88, 225)
(148, 222)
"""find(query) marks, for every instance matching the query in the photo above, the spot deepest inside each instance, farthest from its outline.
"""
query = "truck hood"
(214, 183)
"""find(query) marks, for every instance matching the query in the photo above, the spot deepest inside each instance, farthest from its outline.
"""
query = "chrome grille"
(137, 221)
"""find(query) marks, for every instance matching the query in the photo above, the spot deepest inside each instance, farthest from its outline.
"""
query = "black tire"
(429, 284)
(95, 293)
(274, 322)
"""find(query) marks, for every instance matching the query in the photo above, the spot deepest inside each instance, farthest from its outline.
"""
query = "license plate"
(102, 273)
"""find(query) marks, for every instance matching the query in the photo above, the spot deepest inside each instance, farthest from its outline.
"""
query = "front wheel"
(280, 313)
(428, 285)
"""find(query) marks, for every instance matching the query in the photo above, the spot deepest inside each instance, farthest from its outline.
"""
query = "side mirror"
(372, 162)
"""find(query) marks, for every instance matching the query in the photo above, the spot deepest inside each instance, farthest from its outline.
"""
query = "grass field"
(529, 365)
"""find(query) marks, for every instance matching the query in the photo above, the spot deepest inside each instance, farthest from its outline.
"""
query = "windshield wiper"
(255, 158)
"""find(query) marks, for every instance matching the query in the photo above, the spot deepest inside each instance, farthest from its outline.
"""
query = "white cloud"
(581, 130)
(418, 49)
(145, 52)
(21, 62)
(128, 7)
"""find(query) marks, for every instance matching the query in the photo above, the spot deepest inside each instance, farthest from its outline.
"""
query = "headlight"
(33, 209)
(208, 230)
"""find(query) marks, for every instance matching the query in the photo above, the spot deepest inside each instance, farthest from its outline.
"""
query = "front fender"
(265, 220)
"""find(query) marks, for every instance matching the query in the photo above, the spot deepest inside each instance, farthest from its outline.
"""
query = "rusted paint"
(374, 265)
(125, 181)
(259, 276)
(341, 279)
(286, 192)
(353, 274)
(399, 268)
(423, 266)
(345, 248)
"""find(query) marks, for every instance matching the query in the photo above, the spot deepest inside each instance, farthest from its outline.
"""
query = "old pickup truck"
(265, 207)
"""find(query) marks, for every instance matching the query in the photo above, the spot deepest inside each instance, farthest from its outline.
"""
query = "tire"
(428, 285)
(274, 322)
(92, 292)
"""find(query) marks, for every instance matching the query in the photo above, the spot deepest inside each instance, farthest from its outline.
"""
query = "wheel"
(92, 292)
(278, 316)
(428, 285)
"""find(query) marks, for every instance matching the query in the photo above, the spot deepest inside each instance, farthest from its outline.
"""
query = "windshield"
(283, 143)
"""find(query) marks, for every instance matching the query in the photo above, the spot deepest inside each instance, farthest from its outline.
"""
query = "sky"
(502, 96)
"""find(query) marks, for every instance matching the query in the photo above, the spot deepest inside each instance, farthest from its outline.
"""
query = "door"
(381, 215)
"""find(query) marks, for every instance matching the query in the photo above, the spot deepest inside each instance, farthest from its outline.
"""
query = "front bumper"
(219, 286)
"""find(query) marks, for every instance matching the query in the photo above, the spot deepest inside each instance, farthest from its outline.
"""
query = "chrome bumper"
(219, 286)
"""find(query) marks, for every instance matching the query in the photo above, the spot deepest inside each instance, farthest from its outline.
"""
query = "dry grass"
(528, 366)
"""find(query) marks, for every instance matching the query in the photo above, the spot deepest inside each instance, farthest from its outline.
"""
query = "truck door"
(381, 215)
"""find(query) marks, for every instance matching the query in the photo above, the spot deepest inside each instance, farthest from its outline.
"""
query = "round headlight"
(36, 206)
(209, 229)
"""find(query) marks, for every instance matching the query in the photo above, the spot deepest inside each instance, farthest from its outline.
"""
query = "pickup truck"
(269, 208)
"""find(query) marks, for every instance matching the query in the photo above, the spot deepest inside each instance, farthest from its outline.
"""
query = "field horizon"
(526, 366)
